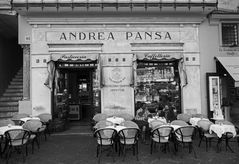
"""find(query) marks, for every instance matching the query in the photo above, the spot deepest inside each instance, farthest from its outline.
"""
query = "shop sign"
(74, 57)
(65, 36)
(229, 51)
(159, 56)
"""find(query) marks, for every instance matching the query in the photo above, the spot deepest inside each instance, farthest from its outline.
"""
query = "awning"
(74, 57)
(231, 64)
(114, 3)
(159, 56)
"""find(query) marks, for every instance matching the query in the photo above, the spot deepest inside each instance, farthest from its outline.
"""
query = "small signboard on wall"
(74, 112)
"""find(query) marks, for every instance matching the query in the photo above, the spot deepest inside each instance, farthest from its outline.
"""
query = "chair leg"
(200, 141)
(228, 146)
(137, 151)
(206, 144)
(151, 147)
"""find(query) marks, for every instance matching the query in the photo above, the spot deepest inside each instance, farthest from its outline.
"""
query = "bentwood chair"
(128, 138)
(160, 135)
(105, 139)
(129, 124)
(34, 127)
(179, 122)
(102, 124)
(184, 117)
(17, 139)
(16, 118)
(203, 127)
(184, 135)
(46, 119)
(156, 123)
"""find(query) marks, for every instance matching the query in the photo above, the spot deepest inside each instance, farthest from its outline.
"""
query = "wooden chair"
(184, 117)
(128, 138)
(160, 135)
(179, 122)
(156, 123)
(102, 124)
(46, 119)
(129, 124)
(105, 138)
(184, 135)
(17, 139)
(203, 127)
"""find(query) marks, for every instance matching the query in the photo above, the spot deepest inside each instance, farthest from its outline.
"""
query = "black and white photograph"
(119, 81)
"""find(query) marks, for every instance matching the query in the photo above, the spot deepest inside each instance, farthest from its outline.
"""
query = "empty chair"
(184, 135)
(34, 127)
(183, 116)
(17, 118)
(45, 118)
(99, 117)
(102, 124)
(160, 135)
(129, 124)
(17, 140)
(203, 126)
(199, 115)
(224, 122)
(105, 138)
(6, 122)
(179, 122)
(156, 123)
(128, 138)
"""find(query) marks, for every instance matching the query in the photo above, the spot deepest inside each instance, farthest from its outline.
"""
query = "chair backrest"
(45, 117)
(179, 122)
(204, 124)
(129, 134)
(183, 116)
(99, 117)
(162, 132)
(197, 115)
(32, 125)
(185, 132)
(224, 122)
(156, 123)
(18, 116)
(102, 124)
(6, 122)
(125, 116)
(105, 135)
(21, 136)
(129, 124)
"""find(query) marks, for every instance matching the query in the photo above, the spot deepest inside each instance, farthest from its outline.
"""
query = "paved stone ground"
(77, 146)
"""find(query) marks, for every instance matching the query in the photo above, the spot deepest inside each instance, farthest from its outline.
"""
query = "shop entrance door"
(78, 82)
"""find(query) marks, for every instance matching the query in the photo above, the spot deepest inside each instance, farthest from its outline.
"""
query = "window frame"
(221, 35)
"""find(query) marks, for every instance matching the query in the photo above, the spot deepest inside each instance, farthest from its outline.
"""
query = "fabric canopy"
(160, 56)
(231, 64)
(73, 57)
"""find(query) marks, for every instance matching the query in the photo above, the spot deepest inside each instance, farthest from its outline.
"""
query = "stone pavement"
(77, 146)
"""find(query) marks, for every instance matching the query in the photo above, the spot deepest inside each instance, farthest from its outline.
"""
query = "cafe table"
(3, 129)
(115, 120)
(25, 119)
(117, 128)
(221, 129)
(194, 120)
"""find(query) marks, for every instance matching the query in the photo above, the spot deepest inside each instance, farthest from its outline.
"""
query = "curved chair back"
(199, 115)
(129, 136)
(102, 124)
(204, 124)
(18, 116)
(32, 125)
(179, 122)
(99, 117)
(17, 137)
(185, 134)
(129, 124)
(156, 123)
(184, 117)
(161, 134)
(105, 136)
(6, 122)
(45, 117)
(223, 122)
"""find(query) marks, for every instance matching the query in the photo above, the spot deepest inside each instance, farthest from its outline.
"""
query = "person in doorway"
(141, 119)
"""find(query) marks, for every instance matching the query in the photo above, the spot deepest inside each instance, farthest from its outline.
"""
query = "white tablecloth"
(221, 129)
(194, 120)
(29, 118)
(3, 129)
(117, 128)
(157, 118)
(115, 120)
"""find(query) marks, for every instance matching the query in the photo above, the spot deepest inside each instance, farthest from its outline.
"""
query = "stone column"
(26, 71)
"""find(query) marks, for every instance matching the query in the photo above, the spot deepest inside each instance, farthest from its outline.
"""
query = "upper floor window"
(229, 34)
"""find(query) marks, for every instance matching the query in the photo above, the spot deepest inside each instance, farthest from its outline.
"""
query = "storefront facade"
(109, 60)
